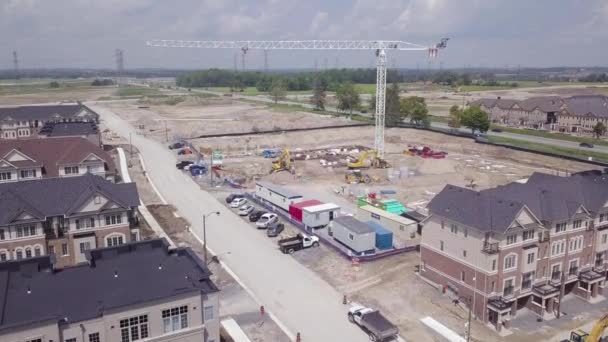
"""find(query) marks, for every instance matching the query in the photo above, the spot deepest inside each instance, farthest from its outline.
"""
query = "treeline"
(603, 77)
(102, 82)
(329, 79)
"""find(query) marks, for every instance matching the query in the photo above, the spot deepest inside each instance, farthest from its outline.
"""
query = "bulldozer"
(595, 335)
(283, 163)
(376, 161)
(356, 177)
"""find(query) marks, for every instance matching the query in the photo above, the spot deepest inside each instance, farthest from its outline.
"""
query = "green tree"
(415, 108)
(54, 84)
(475, 119)
(318, 95)
(392, 107)
(455, 116)
(278, 90)
(599, 129)
(348, 97)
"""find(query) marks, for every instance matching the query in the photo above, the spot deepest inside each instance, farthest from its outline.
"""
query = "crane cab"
(578, 335)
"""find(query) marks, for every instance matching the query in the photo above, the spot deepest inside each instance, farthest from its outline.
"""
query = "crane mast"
(380, 46)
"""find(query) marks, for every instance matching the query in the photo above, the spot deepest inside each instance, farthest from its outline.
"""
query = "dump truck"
(295, 243)
(373, 323)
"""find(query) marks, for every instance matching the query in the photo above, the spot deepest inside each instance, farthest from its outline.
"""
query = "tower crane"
(379, 46)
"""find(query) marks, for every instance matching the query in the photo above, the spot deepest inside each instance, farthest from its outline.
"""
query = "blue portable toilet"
(384, 237)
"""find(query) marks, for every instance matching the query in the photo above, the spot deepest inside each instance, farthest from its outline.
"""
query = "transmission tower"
(120, 66)
(235, 62)
(16, 64)
(265, 60)
(243, 53)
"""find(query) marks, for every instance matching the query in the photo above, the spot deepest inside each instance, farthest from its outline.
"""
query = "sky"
(484, 33)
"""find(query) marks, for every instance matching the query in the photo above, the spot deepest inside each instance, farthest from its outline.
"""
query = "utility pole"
(244, 52)
(235, 63)
(469, 322)
(16, 64)
(265, 60)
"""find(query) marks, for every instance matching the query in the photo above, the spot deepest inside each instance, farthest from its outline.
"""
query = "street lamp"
(205, 231)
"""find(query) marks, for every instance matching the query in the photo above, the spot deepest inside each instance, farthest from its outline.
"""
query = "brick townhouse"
(28, 159)
(519, 245)
(65, 217)
(142, 291)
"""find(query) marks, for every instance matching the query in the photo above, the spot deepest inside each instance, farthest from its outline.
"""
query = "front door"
(81, 245)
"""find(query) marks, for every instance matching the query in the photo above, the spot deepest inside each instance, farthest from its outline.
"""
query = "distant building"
(65, 217)
(26, 121)
(576, 114)
(519, 245)
(137, 291)
(88, 130)
(28, 159)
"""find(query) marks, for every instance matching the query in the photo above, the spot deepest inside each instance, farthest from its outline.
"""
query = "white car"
(245, 210)
(267, 220)
(238, 202)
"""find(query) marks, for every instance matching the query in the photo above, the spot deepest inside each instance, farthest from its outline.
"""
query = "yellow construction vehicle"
(376, 161)
(579, 335)
(283, 163)
(356, 176)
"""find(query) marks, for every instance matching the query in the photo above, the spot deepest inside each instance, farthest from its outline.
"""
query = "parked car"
(183, 164)
(196, 170)
(232, 197)
(587, 145)
(266, 220)
(237, 202)
(255, 216)
(300, 241)
(176, 145)
(496, 130)
(275, 230)
(373, 323)
(184, 151)
(245, 210)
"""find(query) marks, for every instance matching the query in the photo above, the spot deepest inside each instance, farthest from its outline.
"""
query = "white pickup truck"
(373, 323)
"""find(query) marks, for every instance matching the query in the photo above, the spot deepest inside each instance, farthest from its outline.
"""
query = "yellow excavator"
(283, 163)
(594, 336)
(376, 161)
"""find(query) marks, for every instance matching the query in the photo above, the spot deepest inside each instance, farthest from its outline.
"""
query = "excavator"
(376, 161)
(283, 163)
(594, 336)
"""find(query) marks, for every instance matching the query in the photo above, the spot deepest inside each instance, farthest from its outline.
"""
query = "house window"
(511, 239)
(454, 228)
(71, 170)
(28, 173)
(466, 232)
(94, 337)
(73, 339)
(114, 240)
(208, 313)
(19, 254)
(1, 234)
(3, 256)
(492, 286)
(573, 268)
(97, 200)
(604, 237)
(441, 245)
(575, 244)
(51, 250)
(531, 258)
(39, 340)
(462, 276)
(64, 249)
(494, 265)
(528, 235)
(557, 247)
(560, 227)
(88, 222)
(603, 217)
(464, 253)
(577, 224)
(510, 262)
(351, 237)
(555, 272)
(175, 319)
(5, 176)
(134, 328)
(37, 251)
(113, 219)
(26, 230)
(526, 280)
(508, 288)
(84, 246)
(28, 252)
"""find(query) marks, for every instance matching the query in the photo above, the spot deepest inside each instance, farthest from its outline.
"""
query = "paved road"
(296, 295)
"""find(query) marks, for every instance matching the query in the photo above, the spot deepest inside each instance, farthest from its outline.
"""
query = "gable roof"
(145, 271)
(59, 196)
(64, 129)
(52, 153)
(41, 113)
(580, 105)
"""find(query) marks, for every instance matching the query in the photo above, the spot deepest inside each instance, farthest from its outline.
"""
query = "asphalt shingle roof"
(59, 196)
(64, 129)
(595, 105)
(116, 277)
(39, 112)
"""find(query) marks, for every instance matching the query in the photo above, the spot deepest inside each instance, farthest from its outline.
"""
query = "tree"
(475, 119)
(599, 129)
(278, 90)
(455, 116)
(54, 84)
(348, 97)
(318, 95)
(415, 108)
(392, 107)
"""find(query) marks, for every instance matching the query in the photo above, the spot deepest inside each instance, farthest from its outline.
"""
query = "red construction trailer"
(295, 210)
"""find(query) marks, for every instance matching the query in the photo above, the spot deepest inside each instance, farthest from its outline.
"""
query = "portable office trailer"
(384, 237)
(276, 195)
(295, 210)
(354, 234)
(319, 216)
(403, 229)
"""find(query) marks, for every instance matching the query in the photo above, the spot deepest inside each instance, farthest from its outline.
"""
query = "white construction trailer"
(319, 216)
(276, 195)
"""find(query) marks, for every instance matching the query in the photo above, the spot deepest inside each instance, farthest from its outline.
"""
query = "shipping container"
(384, 237)
(276, 195)
(319, 216)
(295, 210)
(404, 230)
(354, 234)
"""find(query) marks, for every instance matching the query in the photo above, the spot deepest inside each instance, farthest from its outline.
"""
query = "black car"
(587, 145)
(183, 164)
(275, 230)
(496, 130)
(255, 216)
(176, 145)
(232, 197)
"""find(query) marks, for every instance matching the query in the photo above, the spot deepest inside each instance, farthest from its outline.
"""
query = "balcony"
(499, 304)
(545, 290)
(590, 275)
(490, 247)
(52, 234)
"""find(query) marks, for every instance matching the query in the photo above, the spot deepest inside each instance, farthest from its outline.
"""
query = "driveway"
(301, 300)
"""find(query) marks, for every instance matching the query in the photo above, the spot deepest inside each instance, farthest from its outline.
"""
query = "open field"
(551, 149)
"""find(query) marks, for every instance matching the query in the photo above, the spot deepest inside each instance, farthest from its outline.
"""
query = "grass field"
(253, 91)
(551, 149)
(34, 88)
(560, 136)
(133, 91)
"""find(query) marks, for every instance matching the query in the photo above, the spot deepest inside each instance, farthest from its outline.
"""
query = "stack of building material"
(295, 210)
(384, 237)
(393, 206)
